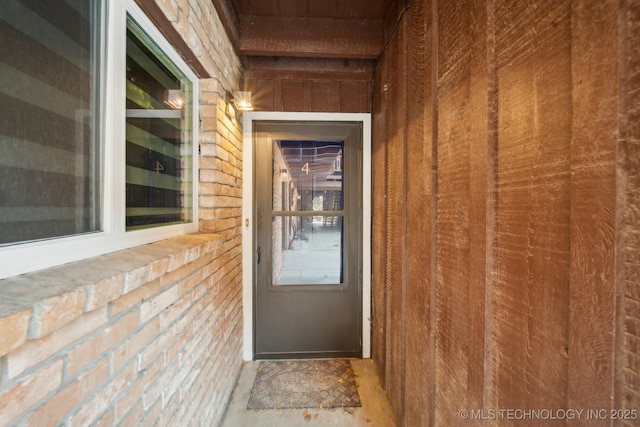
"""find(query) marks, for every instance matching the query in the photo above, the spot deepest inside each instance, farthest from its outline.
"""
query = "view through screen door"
(308, 240)
(307, 177)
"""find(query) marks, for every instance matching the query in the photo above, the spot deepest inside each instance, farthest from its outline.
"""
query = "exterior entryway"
(308, 239)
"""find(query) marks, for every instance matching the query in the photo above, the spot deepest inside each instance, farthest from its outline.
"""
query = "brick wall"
(152, 334)
(149, 334)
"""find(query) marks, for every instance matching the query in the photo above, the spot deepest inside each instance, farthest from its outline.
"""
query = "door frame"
(248, 216)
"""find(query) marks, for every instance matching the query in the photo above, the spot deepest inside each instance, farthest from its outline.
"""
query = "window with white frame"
(159, 113)
(97, 132)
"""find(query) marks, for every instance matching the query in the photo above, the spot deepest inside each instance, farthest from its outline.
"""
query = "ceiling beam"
(310, 37)
(308, 68)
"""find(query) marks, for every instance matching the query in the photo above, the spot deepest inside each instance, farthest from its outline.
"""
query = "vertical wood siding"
(509, 277)
(628, 210)
(418, 217)
(379, 211)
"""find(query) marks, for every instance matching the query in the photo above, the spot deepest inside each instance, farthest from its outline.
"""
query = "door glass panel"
(307, 250)
(307, 175)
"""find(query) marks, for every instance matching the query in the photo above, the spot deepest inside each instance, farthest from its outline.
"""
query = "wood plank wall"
(282, 91)
(627, 237)
(506, 221)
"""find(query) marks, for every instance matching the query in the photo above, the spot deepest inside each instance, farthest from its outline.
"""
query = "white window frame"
(25, 257)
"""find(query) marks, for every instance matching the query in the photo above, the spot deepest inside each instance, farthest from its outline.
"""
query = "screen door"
(308, 239)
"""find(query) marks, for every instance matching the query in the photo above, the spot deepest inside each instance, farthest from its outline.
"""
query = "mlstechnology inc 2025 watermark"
(547, 414)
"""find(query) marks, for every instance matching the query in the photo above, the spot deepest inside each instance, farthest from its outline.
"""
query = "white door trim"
(248, 219)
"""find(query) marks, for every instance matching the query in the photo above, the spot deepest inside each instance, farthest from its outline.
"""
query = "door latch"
(258, 254)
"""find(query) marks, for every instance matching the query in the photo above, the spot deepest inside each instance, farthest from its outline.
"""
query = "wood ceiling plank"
(376, 9)
(359, 9)
(365, 9)
(299, 8)
(323, 8)
(264, 8)
(310, 37)
(244, 6)
(350, 9)
(312, 75)
(306, 65)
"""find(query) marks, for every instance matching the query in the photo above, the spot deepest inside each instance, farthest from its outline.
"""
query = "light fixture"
(229, 109)
(242, 100)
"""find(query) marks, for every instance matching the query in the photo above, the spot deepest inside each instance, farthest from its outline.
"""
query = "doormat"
(296, 384)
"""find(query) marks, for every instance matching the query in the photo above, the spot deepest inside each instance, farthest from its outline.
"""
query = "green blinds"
(158, 129)
(49, 119)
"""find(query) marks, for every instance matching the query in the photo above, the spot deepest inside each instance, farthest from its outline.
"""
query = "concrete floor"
(374, 412)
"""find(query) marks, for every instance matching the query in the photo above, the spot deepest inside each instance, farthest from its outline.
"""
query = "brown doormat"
(304, 384)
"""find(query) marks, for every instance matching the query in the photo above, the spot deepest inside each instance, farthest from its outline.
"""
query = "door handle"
(258, 254)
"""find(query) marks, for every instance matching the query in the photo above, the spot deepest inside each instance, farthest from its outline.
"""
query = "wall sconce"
(229, 109)
(242, 101)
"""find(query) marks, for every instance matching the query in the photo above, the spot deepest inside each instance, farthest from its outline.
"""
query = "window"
(49, 119)
(97, 132)
(158, 135)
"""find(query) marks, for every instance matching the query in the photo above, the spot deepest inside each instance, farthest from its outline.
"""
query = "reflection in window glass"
(307, 175)
(307, 251)
(49, 119)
